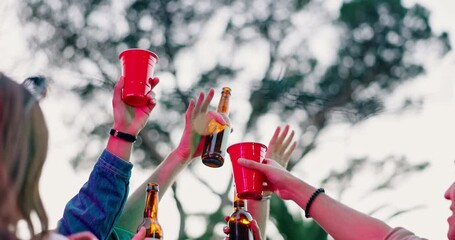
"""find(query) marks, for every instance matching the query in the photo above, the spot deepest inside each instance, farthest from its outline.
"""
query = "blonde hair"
(23, 150)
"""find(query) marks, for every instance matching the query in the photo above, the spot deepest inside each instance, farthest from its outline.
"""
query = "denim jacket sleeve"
(101, 199)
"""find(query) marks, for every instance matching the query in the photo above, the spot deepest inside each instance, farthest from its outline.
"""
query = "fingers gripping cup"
(137, 70)
(248, 182)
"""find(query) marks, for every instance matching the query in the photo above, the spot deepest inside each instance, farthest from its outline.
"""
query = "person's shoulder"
(400, 233)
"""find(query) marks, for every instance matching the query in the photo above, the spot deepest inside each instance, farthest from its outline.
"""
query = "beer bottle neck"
(239, 204)
(223, 105)
(151, 206)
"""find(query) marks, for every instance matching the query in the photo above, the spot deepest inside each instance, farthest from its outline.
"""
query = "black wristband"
(124, 136)
(310, 201)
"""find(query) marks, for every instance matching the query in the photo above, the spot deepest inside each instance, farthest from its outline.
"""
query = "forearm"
(99, 202)
(164, 175)
(260, 209)
(339, 220)
(120, 148)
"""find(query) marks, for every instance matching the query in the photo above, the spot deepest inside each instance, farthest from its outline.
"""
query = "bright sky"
(425, 135)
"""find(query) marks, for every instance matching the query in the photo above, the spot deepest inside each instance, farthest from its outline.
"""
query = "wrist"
(315, 194)
(120, 148)
(132, 130)
(180, 155)
(122, 135)
(299, 189)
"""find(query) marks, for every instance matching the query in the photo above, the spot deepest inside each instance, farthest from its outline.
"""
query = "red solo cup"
(137, 70)
(248, 182)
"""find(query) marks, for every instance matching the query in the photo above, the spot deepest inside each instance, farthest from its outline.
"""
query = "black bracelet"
(308, 204)
(124, 136)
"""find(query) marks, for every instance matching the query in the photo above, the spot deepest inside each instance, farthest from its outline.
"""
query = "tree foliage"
(268, 50)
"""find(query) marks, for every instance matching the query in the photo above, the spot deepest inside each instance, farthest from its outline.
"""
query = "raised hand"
(130, 119)
(197, 117)
(280, 148)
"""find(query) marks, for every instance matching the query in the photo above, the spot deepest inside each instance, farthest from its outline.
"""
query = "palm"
(190, 144)
(136, 116)
(280, 148)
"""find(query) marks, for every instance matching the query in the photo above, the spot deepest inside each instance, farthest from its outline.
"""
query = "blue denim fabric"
(101, 199)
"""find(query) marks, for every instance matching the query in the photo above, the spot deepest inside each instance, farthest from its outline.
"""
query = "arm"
(164, 175)
(281, 149)
(329, 213)
(190, 147)
(99, 202)
(97, 205)
(339, 220)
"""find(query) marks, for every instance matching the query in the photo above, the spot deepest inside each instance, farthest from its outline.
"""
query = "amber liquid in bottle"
(239, 221)
(216, 143)
(153, 230)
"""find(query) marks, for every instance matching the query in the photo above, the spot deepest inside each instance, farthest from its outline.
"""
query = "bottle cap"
(153, 187)
(227, 90)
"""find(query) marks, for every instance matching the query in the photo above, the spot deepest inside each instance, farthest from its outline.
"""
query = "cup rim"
(138, 50)
(249, 142)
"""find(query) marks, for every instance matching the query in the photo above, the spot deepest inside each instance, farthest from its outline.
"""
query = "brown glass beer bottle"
(216, 143)
(239, 221)
(153, 230)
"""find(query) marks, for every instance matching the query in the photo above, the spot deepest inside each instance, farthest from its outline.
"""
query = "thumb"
(153, 82)
(250, 164)
(217, 116)
(140, 234)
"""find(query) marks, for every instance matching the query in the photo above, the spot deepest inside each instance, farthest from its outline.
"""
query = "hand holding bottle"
(197, 117)
(215, 143)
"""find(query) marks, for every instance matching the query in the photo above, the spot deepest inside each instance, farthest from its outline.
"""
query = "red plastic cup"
(137, 70)
(248, 182)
